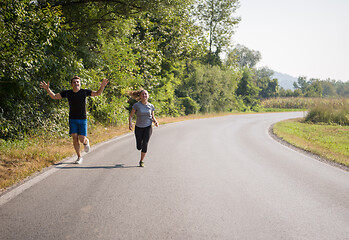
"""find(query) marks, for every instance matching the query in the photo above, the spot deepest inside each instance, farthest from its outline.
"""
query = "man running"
(77, 111)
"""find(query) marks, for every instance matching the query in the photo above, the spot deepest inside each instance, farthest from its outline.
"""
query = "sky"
(307, 38)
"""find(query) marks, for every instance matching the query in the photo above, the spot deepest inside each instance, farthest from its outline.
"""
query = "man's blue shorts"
(78, 126)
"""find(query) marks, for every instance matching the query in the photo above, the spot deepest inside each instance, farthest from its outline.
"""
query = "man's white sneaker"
(79, 160)
(87, 145)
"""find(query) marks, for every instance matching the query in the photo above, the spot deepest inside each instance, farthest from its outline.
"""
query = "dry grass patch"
(23, 159)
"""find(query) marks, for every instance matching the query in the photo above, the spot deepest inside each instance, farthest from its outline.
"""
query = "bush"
(329, 113)
(189, 105)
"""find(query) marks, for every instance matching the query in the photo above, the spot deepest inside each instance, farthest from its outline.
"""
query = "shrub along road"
(217, 178)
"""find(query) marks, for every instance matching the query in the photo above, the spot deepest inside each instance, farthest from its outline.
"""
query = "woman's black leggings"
(142, 137)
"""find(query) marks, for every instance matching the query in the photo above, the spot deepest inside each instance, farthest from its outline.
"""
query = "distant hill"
(286, 81)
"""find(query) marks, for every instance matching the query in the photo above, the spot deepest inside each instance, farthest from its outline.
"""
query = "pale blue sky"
(298, 37)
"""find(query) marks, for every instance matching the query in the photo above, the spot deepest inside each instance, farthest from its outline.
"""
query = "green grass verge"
(328, 141)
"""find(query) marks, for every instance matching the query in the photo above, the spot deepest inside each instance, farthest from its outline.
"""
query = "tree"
(314, 88)
(301, 83)
(164, 42)
(247, 90)
(311, 88)
(216, 17)
(268, 87)
(329, 89)
(342, 89)
(264, 72)
(245, 56)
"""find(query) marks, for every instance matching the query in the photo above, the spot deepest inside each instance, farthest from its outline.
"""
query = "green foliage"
(317, 88)
(216, 17)
(247, 90)
(189, 105)
(268, 87)
(329, 113)
(164, 43)
(28, 118)
(26, 32)
(211, 87)
(110, 9)
(245, 57)
(342, 88)
(311, 88)
(163, 97)
(328, 89)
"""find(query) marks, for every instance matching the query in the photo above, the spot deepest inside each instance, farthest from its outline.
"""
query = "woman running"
(145, 117)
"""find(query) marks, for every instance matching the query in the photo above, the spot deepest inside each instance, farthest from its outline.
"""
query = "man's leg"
(76, 144)
(73, 130)
(82, 139)
(77, 147)
(82, 135)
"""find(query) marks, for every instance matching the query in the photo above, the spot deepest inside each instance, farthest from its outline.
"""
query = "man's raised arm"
(46, 86)
(100, 90)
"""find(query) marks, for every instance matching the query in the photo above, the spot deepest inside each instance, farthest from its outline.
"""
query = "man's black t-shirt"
(77, 102)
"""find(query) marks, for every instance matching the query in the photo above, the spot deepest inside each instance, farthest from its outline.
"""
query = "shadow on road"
(75, 166)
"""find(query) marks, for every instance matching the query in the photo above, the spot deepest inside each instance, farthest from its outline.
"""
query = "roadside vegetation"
(323, 131)
(329, 112)
(327, 141)
(305, 103)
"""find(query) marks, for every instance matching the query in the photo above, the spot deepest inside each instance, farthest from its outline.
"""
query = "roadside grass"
(327, 141)
(19, 160)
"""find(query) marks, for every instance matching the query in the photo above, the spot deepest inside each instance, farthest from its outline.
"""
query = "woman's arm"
(132, 113)
(154, 119)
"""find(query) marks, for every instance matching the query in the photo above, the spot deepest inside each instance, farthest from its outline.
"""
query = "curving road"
(218, 178)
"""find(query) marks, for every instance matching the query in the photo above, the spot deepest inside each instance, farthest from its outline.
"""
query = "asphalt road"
(218, 178)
